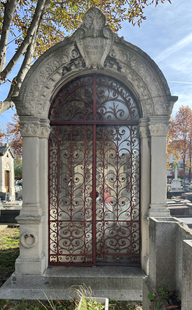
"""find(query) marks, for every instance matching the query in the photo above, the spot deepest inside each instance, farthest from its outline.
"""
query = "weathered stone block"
(186, 300)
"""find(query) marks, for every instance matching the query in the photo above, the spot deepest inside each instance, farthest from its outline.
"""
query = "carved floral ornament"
(143, 131)
(94, 47)
(159, 129)
(29, 130)
(45, 132)
(34, 130)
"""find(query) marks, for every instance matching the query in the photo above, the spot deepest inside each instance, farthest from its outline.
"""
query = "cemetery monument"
(94, 116)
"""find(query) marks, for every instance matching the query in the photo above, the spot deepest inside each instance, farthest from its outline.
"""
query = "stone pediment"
(94, 39)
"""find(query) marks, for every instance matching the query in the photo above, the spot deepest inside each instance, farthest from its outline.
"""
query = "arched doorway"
(94, 174)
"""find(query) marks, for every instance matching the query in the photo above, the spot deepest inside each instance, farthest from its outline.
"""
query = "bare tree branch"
(10, 6)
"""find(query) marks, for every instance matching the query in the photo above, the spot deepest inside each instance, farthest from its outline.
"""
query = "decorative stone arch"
(93, 48)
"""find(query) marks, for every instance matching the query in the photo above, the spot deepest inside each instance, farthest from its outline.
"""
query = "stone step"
(120, 283)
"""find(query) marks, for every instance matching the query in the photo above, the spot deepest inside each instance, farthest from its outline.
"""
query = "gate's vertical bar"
(140, 199)
(49, 202)
(131, 201)
(118, 172)
(84, 191)
(57, 221)
(71, 172)
(103, 190)
(94, 172)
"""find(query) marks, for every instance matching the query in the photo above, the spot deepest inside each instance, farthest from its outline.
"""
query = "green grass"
(9, 251)
(60, 305)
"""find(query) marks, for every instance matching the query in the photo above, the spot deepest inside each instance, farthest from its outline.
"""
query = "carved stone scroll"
(94, 39)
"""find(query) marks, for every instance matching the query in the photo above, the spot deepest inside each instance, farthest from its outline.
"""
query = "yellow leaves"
(172, 145)
(61, 18)
(179, 140)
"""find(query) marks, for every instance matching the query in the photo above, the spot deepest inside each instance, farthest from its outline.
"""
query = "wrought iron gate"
(94, 175)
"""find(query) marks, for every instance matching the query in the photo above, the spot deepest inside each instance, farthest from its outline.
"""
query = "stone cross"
(175, 171)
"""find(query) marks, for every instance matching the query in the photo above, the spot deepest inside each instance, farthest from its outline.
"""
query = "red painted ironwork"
(94, 174)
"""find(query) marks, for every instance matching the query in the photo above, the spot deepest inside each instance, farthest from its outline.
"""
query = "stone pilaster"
(145, 191)
(43, 180)
(158, 130)
(30, 130)
(32, 258)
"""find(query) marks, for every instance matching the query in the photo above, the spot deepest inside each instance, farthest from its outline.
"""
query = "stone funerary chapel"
(94, 116)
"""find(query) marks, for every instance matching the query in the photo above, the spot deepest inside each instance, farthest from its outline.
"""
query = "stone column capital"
(159, 129)
(29, 129)
(142, 131)
(143, 128)
(45, 131)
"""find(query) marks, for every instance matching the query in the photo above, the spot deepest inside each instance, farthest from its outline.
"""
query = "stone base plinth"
(120, 283)
(159, 212)
(172, 193)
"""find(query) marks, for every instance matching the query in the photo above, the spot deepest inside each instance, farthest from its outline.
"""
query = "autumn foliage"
(179, 142)
(12, 136)
(38, 25)
(172, 150)
(1, 136)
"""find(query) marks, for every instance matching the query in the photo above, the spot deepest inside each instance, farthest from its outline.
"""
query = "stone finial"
(94, 39)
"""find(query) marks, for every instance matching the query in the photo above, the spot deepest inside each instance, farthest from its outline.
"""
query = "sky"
(166, 36)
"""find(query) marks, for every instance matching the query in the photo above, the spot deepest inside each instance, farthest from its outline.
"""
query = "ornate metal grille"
(94, 175)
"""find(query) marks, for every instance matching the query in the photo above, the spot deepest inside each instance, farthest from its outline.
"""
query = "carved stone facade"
(93, 48)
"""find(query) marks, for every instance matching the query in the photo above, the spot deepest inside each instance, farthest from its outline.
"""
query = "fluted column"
(158, 128)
